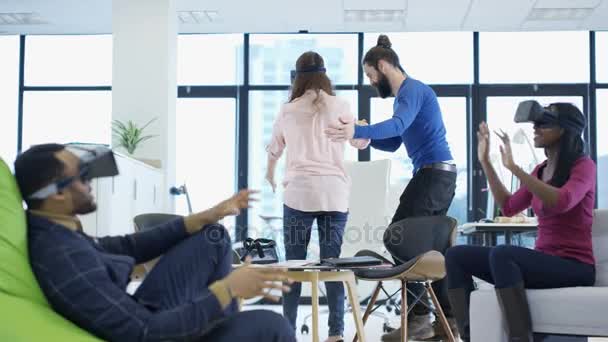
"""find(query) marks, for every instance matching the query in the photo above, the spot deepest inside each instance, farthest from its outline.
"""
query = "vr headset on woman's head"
(532, 111)
(315, 68)
(564, 115)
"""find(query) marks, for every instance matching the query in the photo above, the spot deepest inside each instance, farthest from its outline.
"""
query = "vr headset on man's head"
(96, 161)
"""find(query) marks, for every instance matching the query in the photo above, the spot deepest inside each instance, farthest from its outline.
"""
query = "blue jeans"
(297, 226)
(186, 271)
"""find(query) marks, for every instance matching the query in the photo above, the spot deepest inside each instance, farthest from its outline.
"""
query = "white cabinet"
(136, 190)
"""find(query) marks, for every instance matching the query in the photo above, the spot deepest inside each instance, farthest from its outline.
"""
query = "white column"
(144, 84)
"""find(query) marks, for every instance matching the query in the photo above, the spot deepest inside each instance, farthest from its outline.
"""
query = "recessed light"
(559, 13)
(384, 16)
(198, 17)
(30, 18)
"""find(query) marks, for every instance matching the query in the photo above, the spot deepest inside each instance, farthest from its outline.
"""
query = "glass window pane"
(196, 65)
(66, 116)
(602, 147)
(454, 110)
(272, 56)
(601, 57)
(263, 108)
(534, 57)
(500, 116)
(9, 93)
(68, 60)
(206, 154)
(432, 57)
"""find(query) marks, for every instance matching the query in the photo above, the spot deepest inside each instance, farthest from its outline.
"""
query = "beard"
(83, 203)
(383, 86)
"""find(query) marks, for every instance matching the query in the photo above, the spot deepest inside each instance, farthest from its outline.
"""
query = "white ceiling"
(95, 16)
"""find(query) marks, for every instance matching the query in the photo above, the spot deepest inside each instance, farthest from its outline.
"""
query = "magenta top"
(564, 230)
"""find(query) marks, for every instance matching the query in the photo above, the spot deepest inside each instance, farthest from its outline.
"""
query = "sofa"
(579, 311)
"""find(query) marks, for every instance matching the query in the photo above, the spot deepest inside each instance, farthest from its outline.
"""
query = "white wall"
(144, 72)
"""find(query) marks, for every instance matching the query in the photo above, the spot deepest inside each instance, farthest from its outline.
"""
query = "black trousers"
(429, 193)
(506, 266)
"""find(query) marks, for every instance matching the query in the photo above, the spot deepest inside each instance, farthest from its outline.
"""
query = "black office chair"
(145, 222)
(418, 243)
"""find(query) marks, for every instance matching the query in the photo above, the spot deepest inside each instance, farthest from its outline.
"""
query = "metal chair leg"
(403, 310)
(441, 315)
(370, 306)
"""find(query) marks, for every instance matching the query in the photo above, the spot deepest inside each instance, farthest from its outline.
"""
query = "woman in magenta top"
(316, 184)
(561, 191)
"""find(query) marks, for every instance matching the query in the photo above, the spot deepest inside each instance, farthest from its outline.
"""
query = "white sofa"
(570, 311)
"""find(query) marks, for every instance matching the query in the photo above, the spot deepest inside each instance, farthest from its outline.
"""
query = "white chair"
(368, 217)
(569, 311)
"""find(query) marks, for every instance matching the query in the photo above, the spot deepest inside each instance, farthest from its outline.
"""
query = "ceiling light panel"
(30, 18)
(559, 13)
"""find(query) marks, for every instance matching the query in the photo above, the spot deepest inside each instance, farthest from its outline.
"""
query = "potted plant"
(130, 135)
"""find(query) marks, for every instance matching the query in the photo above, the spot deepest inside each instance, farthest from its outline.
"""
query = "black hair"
(382, 51)
(37, 168)
(571, 145)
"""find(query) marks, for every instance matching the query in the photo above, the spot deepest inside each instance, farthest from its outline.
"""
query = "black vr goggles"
(532, 111)
(96, 161)
(564, 115)
(294, 73)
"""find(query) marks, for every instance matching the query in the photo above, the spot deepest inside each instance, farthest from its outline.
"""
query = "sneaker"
(418, 328)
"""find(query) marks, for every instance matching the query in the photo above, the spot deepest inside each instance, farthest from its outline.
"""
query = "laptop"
(358, 261)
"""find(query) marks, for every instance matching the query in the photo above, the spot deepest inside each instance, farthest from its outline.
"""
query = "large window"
(432, 57)
(9, 94)
(602, 148)
(601, 57)
(273, 56)
(214, 59)
(66, 116)
(534, 57)
(206, 152)
(68, 60)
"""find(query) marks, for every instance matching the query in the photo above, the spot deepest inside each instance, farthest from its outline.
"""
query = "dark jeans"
(186, 271)
(429, 193)
(297, 227)
(506, 266)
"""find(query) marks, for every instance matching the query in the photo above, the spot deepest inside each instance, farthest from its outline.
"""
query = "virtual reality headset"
(96, 161)
(532, 111)
(294, 73)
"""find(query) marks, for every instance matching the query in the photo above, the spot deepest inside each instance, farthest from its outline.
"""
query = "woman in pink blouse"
(316, 184)
(561, 191)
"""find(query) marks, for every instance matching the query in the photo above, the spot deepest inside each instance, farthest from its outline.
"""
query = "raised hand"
(505, 150)
(483, 143)
(234, 204)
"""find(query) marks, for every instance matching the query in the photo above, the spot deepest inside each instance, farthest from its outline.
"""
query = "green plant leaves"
(129, 135)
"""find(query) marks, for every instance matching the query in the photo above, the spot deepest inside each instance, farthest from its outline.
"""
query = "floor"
(373, 327)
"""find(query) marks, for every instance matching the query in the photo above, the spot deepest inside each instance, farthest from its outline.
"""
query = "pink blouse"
(315, 178)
